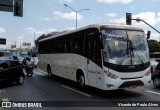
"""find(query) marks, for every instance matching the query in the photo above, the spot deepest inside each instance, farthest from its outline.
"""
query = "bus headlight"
(148, 73)
(111, 75)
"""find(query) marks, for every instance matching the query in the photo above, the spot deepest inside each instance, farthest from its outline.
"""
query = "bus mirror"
(148, 34)
(99, 42)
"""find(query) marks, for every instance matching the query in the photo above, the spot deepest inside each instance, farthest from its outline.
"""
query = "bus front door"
(92, 73)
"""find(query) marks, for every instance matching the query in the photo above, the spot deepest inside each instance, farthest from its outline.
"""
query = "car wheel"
(20, 79)
(81, 81)
(156, 82)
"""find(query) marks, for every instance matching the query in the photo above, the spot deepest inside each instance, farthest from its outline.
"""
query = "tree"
(44, 36)
(39, 38)
(154, 46)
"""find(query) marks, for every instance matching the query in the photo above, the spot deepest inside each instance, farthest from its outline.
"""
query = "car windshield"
(125, 47)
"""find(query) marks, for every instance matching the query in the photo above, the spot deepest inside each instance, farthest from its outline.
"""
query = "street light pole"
(138, 20)
(34, 38)
(76, 19)
(20, 44)
(75, 11)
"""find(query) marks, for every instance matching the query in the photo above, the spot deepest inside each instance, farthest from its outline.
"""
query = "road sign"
(3, 41)
(6, 5)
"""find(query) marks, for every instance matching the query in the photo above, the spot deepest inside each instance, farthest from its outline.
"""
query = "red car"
(156, 75)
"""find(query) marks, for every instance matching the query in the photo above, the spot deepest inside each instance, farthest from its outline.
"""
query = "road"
(69, 96)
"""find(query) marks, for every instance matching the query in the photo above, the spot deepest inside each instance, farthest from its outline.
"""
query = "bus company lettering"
(14, 104)
(34, 105)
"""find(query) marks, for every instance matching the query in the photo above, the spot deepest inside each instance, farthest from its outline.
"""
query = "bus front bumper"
(127, 83)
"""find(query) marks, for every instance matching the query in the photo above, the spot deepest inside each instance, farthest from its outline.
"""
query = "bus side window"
(60, 45)
(79, 42)
(53, 46)
(91, 47)
(49, 47)
(68, 44)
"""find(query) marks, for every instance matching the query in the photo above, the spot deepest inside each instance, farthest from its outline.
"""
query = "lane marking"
(4, 91)
(38, 73)
(41, 71)
(76, 91)
(153, 92)
(35, 72)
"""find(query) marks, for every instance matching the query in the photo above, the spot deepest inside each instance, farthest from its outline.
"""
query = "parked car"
(156, 75)
(154, 63)
(11, 71)
(158, 59)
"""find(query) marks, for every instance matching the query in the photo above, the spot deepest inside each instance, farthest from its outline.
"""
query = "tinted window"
(68, 44)
(91, 48)
(3, 65)
(158, 66)
(79, 42)
(60, 45)
(13, 63)
(53, 46)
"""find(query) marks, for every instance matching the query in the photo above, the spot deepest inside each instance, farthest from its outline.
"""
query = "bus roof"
(111, 25)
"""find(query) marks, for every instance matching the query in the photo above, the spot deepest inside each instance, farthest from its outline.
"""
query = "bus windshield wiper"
(130, 52)
(134, 49)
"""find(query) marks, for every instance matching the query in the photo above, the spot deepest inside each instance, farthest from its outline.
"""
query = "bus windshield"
(125, 47)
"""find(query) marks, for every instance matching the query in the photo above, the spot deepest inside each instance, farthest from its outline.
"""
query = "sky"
(45, 16)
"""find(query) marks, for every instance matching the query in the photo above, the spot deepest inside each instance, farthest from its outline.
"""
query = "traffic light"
(128, 18)
(18, 8)
(148, 34)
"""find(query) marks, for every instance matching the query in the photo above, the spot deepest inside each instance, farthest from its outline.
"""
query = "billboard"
(26, 44)
(13, 46)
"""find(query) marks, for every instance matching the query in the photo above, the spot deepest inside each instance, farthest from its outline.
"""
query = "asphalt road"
(59, 94)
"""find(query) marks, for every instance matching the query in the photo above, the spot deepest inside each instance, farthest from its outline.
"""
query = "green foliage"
(44, 36)
(39, 38)
(154, 46)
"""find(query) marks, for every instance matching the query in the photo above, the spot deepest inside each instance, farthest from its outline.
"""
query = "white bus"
(104, 56)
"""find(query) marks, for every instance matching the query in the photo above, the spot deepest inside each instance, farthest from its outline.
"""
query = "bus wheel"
(156, 82)
(49, 72)
(81, 81)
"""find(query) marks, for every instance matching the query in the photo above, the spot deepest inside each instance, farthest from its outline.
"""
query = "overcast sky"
(45, 16)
